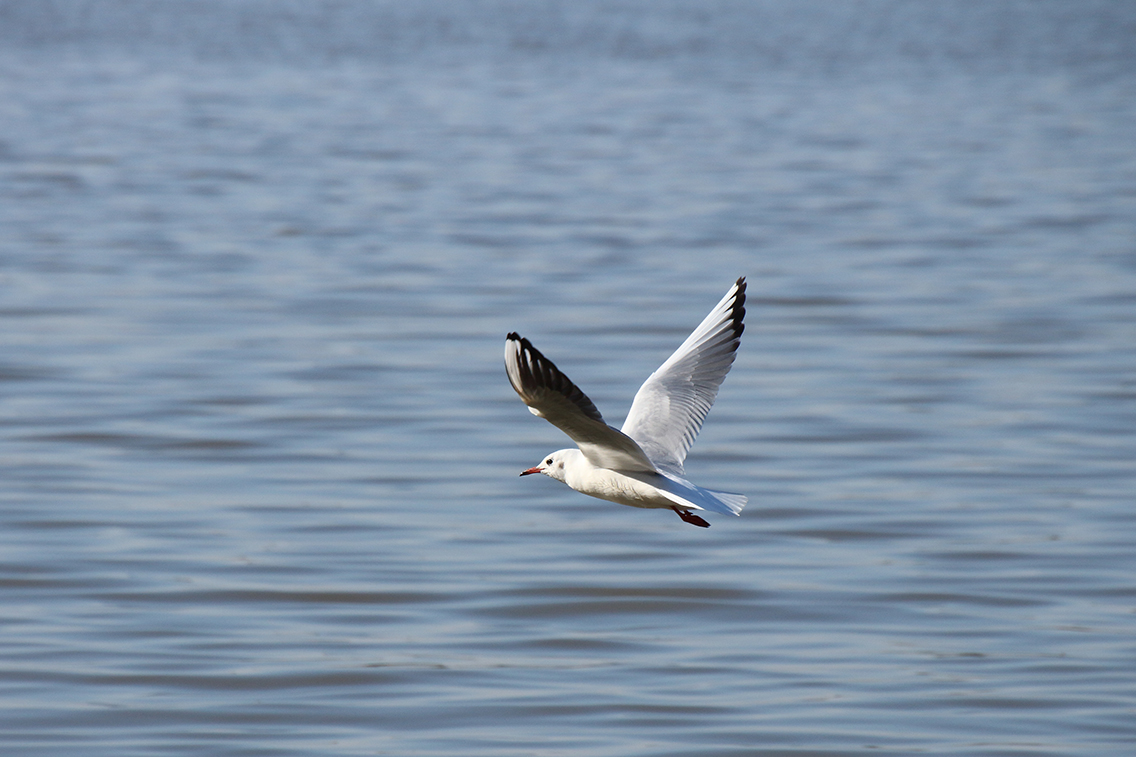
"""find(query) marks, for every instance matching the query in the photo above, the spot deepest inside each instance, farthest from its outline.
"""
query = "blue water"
(259, 455)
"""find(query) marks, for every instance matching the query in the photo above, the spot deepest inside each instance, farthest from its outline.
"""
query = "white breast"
(615, 486)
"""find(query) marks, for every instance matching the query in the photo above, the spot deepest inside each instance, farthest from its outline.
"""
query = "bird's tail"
(685, 493)
(731, 503)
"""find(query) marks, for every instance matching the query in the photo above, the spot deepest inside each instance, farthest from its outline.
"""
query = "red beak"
(531, 470)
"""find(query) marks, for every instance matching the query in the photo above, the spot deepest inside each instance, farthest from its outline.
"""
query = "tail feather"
(733, 502)
(686, 493)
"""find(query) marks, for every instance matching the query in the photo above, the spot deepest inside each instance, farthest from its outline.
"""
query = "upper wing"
(672, 403)
(552, 396)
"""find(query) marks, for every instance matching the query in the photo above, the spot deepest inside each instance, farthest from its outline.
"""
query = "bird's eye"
(548, 461)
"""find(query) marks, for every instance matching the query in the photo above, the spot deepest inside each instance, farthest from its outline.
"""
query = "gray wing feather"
(669, 408)
(551, 395)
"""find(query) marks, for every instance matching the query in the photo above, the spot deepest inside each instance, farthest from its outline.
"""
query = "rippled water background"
(259, 456)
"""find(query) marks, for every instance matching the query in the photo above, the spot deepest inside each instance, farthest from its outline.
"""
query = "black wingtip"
(526, 346)
(536, 372)
(738, 312)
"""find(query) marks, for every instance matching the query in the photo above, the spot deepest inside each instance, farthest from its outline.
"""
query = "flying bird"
(639, 465)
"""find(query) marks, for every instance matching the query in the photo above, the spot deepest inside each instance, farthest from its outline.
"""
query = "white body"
(635, 488)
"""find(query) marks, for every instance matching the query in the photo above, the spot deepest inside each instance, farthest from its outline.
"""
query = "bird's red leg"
(691, 518)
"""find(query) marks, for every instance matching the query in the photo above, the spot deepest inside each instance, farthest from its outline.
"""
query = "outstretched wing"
(672, 403)
(552, 395)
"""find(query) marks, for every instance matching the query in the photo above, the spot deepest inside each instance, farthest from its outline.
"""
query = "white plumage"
(642, 464)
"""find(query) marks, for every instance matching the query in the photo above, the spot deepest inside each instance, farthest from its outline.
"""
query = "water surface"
(257, 262)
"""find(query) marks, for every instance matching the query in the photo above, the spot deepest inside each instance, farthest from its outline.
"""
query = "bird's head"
(552, 465)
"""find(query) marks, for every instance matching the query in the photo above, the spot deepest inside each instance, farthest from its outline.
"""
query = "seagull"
(639, 465)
